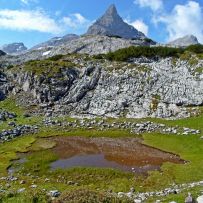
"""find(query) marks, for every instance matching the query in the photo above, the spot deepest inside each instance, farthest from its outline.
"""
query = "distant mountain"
(14, 48)
(56, 41)
(111, 24)
(185, 41)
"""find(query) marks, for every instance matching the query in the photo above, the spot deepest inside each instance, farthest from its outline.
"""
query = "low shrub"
(197, 48)
(135, 52)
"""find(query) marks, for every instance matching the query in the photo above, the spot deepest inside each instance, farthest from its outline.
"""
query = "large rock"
(111, 24)
(185, 41)
(14, 48)
(200, 199)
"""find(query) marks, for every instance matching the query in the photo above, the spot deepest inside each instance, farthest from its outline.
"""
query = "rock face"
(185, 41)
(56, 41)
(111, 24)
(92, 45)
(14, 48)
(143, 88)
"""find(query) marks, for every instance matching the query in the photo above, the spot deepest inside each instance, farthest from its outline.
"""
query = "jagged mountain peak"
(111, 10)
(111, 24)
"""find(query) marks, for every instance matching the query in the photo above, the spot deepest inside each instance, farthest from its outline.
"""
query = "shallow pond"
(127, 154)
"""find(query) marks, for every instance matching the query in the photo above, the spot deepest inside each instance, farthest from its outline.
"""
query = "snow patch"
(46, 53)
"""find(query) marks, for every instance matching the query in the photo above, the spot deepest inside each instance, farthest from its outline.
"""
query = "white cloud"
(24, 1)
(28, 1)
(183, 20)
(75, 21)
(154, 5)
(38, 20)
(140, 25)
(23, 20)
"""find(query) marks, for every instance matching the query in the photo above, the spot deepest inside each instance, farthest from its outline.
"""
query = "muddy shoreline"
(128, 154)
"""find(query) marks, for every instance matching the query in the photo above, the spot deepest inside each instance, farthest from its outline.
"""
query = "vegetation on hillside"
(151, 52)
(48, 67)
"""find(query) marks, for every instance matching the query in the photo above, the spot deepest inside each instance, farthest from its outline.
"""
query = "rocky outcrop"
(185, 41)
(4, 115)
(6, 135)
(14, 48)
(151, 88)
(111, 24)
(97, 44)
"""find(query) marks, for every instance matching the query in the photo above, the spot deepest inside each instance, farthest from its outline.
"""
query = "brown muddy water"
(127, 154)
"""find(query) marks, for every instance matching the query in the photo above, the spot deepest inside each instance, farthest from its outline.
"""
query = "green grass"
(55, 131)
(189, 147)
(8, 151)
(10, 105)
(49, 67)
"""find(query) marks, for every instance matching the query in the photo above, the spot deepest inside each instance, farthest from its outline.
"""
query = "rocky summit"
(185, 41)
(14, 48)
(111, 24)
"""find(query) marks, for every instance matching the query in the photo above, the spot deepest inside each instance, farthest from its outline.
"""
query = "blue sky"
(35, 21)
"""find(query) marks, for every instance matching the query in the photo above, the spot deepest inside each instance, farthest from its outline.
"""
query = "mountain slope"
(111, 24)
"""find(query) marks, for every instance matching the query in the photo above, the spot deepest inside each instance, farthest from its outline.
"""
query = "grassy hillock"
(49, 67)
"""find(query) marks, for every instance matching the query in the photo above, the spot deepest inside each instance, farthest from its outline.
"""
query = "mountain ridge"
(56, 41)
